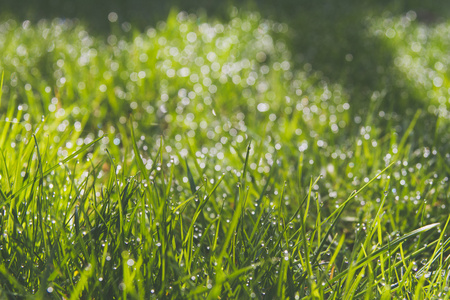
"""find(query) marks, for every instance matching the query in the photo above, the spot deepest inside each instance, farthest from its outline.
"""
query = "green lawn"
(226, 158)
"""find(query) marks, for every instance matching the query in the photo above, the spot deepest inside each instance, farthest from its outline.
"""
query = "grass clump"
(196, 160)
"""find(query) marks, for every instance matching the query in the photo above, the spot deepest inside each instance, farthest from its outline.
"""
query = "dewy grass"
(199, 160)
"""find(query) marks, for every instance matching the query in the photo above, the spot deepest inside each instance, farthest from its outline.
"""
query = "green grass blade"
(192, 184)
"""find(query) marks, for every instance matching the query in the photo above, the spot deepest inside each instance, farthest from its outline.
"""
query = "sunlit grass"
(195, 160)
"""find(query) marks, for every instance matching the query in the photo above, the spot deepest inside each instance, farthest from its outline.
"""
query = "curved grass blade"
(192, 184)
(136, 153)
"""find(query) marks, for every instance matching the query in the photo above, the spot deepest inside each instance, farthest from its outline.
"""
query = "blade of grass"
(192, 184)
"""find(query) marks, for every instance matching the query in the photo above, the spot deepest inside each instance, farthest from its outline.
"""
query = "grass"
(196, 159)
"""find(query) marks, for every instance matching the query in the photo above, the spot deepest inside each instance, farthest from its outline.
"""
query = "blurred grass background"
(324, 34)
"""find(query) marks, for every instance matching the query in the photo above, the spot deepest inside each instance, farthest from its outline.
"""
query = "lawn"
(226, 157)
